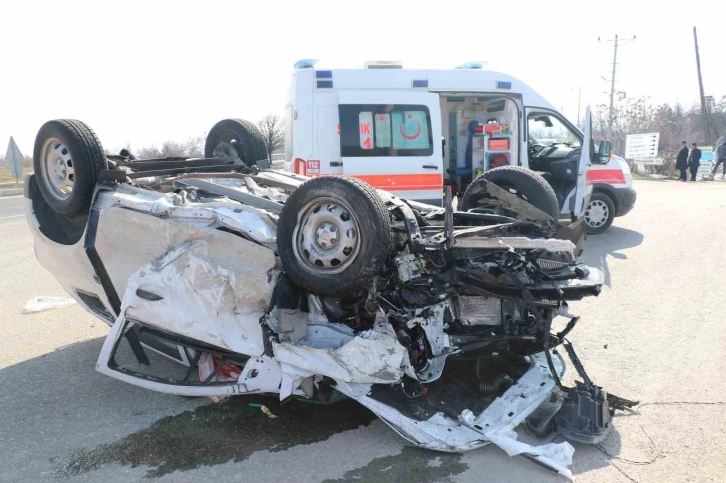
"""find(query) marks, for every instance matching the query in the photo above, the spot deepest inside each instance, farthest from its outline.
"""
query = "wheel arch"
(611, 192)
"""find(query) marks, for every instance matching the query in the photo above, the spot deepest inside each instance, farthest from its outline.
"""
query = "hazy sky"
(145, 71)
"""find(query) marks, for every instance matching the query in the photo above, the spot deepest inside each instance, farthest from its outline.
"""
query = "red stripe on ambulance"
(403, 182)
(609, 176)
(389, 182)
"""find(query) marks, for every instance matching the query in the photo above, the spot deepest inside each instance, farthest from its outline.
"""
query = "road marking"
(11, 216)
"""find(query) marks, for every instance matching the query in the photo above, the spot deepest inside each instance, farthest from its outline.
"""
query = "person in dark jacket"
(694, 160)
(721, 157)
(682, 161)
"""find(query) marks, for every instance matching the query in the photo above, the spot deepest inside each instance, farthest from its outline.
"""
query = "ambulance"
(411, 132)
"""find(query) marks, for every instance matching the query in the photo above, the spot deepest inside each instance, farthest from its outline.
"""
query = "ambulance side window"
(368, 130)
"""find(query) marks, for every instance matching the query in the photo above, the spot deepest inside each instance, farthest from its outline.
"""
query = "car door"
(392, 140)
(583, 190)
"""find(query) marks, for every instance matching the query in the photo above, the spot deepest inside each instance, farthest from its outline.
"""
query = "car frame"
(262, 281)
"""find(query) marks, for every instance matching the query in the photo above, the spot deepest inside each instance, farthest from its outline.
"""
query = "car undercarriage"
(260, 281)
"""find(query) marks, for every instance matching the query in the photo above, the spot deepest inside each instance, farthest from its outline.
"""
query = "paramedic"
(694, 160)
(721, 157)
(682, 161)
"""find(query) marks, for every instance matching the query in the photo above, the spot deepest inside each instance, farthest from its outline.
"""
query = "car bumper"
(627, 200)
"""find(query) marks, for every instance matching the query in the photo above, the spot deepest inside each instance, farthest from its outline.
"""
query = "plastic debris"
(264, 409)
(657, 177)
(40, 304)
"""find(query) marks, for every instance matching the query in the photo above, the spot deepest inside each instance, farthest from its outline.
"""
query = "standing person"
(694, 160)
(682, 161)
(721, 157)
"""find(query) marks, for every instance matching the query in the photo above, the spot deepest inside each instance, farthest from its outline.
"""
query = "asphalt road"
(656, 334)
(11, 207)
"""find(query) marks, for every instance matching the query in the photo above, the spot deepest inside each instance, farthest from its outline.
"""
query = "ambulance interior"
(481, 132)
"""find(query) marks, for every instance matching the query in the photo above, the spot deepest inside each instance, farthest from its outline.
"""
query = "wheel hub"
(60, 169)
(597, 213)
(326, 238)
(57, 168)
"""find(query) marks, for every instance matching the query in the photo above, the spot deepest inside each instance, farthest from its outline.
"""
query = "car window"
(385, 130)
(547, 129)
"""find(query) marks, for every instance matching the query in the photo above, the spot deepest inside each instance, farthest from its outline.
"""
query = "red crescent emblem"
(414, 135)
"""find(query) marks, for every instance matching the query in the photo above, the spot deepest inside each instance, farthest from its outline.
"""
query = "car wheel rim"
(57, 169)
(327, 237)
(597, 213)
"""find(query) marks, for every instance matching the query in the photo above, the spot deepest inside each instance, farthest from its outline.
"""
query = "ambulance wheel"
(236, 137)
(523, 182)
(599, 214)
(67, 157)
(334, 235)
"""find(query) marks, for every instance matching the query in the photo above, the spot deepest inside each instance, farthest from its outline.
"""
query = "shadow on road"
(80, 416)
(611, 243)
(65, 420)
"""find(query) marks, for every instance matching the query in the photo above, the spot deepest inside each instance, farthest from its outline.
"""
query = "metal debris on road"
(264, 409)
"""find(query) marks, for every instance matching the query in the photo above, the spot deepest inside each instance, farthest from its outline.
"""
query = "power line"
(611, 113)
(704, 111)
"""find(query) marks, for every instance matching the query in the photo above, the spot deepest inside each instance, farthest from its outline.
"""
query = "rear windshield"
(385, 130)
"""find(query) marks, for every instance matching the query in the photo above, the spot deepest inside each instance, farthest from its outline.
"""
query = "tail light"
(300, 167)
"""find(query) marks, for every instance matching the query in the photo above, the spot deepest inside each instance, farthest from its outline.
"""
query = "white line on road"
(11, 216)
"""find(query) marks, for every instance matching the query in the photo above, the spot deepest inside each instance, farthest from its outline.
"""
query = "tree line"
(675, 123)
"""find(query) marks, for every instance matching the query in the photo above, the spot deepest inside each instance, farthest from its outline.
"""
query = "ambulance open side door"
(393, 141)
(583, 190)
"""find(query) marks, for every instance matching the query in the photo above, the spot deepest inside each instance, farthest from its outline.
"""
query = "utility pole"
(706, 129)
(611, 113)
(579, 97)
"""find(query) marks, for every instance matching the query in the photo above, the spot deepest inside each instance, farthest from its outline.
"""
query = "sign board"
(649, 161)
(707, 154)
(642, 145)
(708, 161)
(15, 159)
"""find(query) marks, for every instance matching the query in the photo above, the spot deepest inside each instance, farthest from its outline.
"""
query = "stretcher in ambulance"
(411, 132)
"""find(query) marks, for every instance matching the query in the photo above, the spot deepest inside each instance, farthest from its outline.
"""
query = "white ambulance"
(411, 132)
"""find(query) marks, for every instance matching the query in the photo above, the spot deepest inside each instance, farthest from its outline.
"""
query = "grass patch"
(8, 181)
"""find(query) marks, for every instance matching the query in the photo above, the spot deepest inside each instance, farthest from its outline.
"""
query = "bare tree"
(194, 147)
(272, 128)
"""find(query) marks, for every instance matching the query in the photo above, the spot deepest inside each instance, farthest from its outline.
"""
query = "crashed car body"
(262, 281)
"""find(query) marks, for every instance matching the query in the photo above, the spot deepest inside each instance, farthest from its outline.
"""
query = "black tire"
(75, 147)
(373, 240)
(245, 137)
(527, 184)
(597, 228)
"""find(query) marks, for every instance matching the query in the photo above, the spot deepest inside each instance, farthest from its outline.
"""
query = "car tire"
(243, 136)
(599, 213)
(521, 181)
(333, 235)
(67, 157)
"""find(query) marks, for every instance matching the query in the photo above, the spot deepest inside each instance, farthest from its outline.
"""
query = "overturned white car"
(262, 281)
